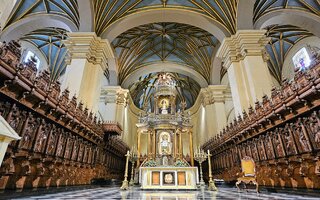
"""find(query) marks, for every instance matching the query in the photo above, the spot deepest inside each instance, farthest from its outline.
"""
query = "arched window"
(31, 56)
(301, 59)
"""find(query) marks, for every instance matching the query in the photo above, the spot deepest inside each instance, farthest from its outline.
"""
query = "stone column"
(180, 146)
(149, 147)
(191, 147)
(175, 145)
(139, 147)
(88, 62)
(214, 98)
(248, 73)
(112, 107)
(154, 144)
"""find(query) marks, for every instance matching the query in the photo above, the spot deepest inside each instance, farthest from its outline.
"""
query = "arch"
(86, 14)
(300, 19)
(28, 24)
(288, 66)
(165, 15)
(164, 66)
(27, 46)
(245, 15)
(215, 67)
(5, 10)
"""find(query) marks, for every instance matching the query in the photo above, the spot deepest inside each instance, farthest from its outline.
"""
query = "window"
(29, 56)
(301, 59)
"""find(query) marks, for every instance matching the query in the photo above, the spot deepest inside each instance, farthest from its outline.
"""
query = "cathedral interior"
(130, 99)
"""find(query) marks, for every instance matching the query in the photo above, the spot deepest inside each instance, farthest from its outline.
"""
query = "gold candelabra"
(133, 159)
(211, 186)
(125, 184)
(200, 156)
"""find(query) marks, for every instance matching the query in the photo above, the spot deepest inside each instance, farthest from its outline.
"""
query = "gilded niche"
(165, 144)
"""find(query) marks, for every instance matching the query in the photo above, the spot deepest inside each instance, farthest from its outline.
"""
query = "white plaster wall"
(288, 66)
(26, 46)
(6, 7)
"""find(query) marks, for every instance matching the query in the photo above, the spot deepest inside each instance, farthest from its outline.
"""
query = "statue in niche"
(315, 130)
(41, 140)
(59, 149)
(27, 136)
(261, 151)
(289, 142)
(278, 147)
(165, 144)
(165, 161)
(164, 105)
(303, 141)
(14, 123)
(269, 149)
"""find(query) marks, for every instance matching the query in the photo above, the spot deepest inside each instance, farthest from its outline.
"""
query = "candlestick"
(125, 185)
(201, 156)
(211, 186)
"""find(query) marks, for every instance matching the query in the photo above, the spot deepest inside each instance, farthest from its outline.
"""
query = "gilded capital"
(122, 97)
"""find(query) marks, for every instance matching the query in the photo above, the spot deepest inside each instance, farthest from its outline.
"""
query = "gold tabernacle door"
(169, 177)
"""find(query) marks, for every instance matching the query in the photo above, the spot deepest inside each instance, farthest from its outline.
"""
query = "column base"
(131, 183)
(124, 185)
(212, 186)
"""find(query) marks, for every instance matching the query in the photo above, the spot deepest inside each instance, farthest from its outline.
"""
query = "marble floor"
(137, 194)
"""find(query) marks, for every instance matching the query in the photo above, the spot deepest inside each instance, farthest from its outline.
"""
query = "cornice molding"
(210, 95)
(87, 45)
(215, 94)
(115, 94)
(243, 43)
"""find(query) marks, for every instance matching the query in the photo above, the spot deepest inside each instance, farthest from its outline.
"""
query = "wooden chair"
(248, 173)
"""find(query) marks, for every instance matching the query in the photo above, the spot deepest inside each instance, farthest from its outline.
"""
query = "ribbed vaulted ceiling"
(28, 8)
(263, 7)
(282, 40)
(49, 42)
(179, 43)
(140, 46)
(141, 92)
(221, 11)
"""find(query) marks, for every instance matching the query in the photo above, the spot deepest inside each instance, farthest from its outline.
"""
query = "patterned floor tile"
(224, 193)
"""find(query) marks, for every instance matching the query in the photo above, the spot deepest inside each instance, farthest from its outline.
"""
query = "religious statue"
(165, 144)
(279, 147)
(27, 136)
(168, 178)
(165, 161)
(41, 139)
(303, 141)
(164, 104)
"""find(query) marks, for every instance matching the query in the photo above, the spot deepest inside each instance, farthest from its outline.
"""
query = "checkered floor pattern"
(136, 194)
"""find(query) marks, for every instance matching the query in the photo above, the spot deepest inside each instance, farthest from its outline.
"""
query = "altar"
(169, 160)
(168, 177)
